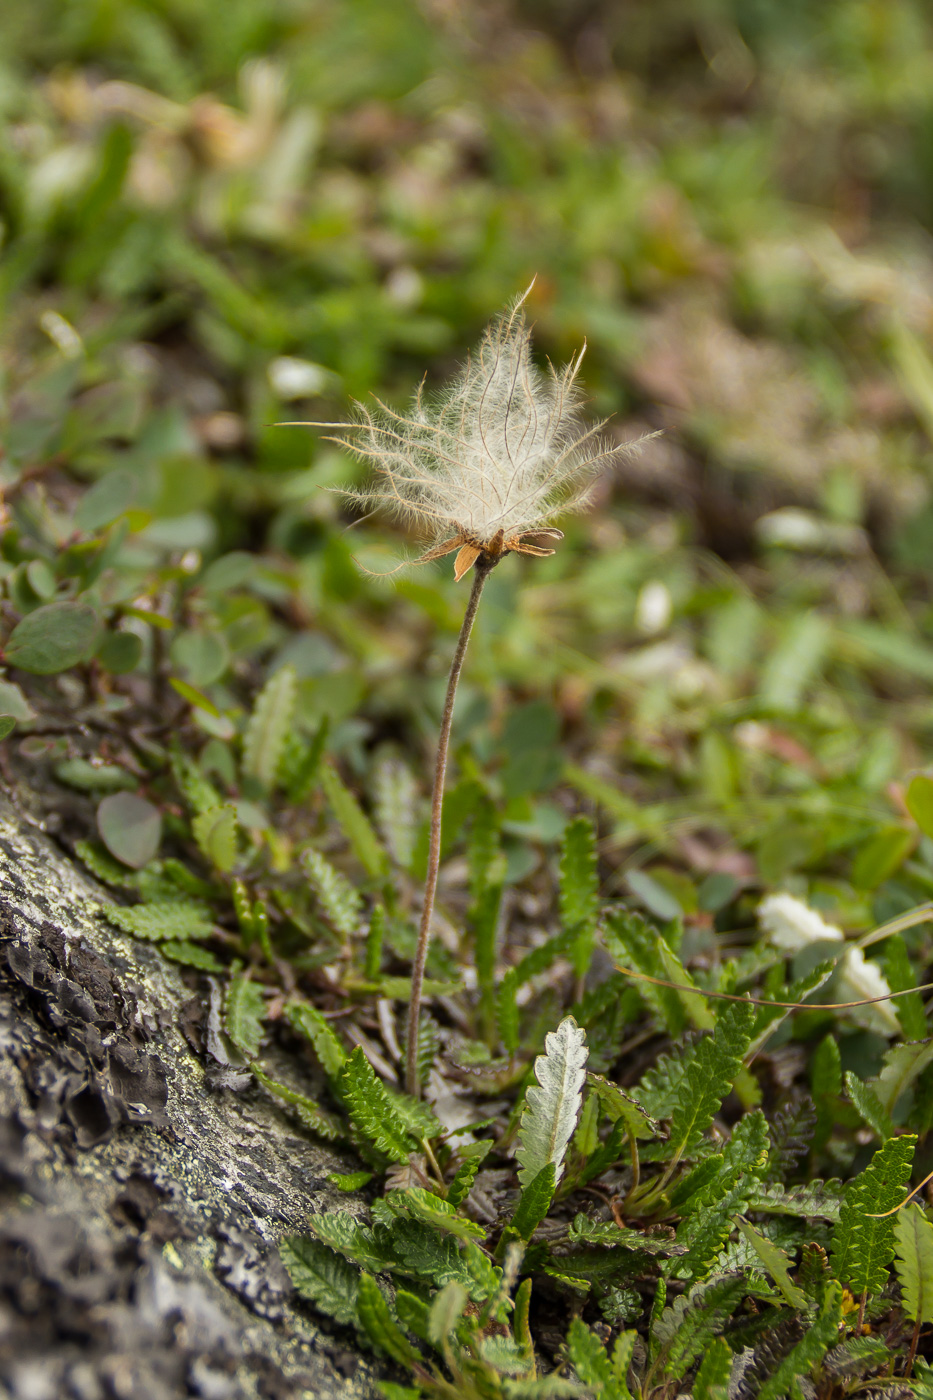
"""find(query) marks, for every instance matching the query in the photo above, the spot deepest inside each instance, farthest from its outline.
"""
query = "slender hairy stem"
(481, 572)
(913, 1348)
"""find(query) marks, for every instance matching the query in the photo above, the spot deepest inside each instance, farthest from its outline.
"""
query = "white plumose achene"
(790, 924)
(860, 978)
(485, 465)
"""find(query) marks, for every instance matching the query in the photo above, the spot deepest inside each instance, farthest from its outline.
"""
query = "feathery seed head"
(488, 461)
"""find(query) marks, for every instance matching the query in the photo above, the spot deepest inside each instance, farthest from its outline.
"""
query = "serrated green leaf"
(215, 833)
(551, 1107)
(589, 1357)
(903, 1065)
(632, 942)
(622, 1354)
(380, 1326)
(869, 1108)
(535, 1202)
(356, 1242)
(483, 920)
(709, 1076)
(186, 880)
(900, 977)
(826, 1087)
(323, 1277)
(617, 1142)
(863, 1246)
(446, 1311)
(548, 1388)
(395, 804)
(419, 1204)
(712, 1379)
(413, 1313)
(923, 1379)
(814, 1199)
(826, 1069)
(596, 1267)
(191, 955)
(696, 1007)
(244, 1013)
(354, 823)
(579, 889)
(521, 1320)
(103, 866)
(684, 1329)
(586, 1138)
(426, 1253)
(199, 793)
(428, 1045)
(777, 1264)
(485, 862)
(507, 1011)
(606, 1232)
(179, 920)
(770, 1019)
(307, 1110)
(340, 902)
(375, 933)
(309, 1022)
(371, 1110)
(349, 1181)
(913, 1243)
(300, 762)
(800, 1361)
(462, 1181)
(400, 988)
(542, 958)
(419, 1117)
(619, 1104)
(267, 730)
(742, 1162)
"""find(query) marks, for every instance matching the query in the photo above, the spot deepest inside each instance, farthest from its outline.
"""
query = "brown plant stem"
(481, 572)
(861, 1312)
(913, 1349)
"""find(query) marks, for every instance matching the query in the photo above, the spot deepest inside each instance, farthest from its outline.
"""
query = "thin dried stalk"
(484, 566)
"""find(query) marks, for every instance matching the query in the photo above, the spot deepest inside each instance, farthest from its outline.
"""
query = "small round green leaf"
(53, 638)
(120, 652)
(41, 579)
(107, 499)
(7, 725)
(228, 572)
(882, 855)
(202, 656)
(130, 828)
(14, 703)
(920, 802)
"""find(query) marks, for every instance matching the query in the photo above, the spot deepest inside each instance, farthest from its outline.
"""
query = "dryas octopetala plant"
(482, 468)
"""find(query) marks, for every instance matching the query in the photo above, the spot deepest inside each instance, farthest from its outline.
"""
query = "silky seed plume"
(485, 464)
(482, 467)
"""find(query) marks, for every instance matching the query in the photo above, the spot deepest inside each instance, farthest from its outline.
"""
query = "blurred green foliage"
(216, 217)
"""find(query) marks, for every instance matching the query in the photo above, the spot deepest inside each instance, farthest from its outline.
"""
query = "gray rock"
(141, 1198)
